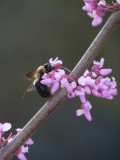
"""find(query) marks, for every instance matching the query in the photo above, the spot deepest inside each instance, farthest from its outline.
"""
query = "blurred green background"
(31, 32)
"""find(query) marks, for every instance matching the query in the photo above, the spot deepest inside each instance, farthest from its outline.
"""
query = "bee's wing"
(32, 75)
(30, 88)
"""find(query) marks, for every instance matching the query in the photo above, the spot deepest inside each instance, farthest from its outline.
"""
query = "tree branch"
(8, 151)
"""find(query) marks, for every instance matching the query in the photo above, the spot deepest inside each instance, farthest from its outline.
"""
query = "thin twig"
(8, 151)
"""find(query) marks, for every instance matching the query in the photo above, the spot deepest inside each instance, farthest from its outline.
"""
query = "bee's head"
(48, 67)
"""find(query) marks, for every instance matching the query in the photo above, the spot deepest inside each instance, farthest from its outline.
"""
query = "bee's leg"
(30, 89)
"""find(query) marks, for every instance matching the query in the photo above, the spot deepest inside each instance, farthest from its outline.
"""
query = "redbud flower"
(118, 1)
(3, 128)
(23, 149)
(85, 109)
(52, 79)
(96, 9)
(91, 82)
(20, 153)
(55, 62)
(70, 87)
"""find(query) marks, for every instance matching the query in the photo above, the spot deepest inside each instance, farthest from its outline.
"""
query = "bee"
(36, 76)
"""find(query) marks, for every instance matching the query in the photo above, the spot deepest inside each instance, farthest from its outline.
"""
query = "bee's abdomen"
(42, 89)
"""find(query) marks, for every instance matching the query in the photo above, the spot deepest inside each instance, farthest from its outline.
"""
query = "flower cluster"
(91, 82)
(96, 9)
(23, 149)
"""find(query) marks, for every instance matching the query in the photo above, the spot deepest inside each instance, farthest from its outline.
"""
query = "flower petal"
(79, 112)
(105, 72)
(88, 115)
(29, 142)
(54, 88)
(21, 156)
(6, 126)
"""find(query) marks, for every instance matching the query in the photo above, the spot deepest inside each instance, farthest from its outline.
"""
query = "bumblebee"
(36, 76)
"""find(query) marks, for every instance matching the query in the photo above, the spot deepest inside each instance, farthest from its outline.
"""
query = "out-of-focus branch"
(7, 151)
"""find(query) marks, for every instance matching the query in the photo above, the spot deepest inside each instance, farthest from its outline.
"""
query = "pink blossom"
(70, 87)
(80, 91)
(100, 64)
(106, 88)
(20, 153)
(87, 7)
(22, 150)
(29, 142)
(97, 20)
(3, 141)
(105, 71)
(47, 79)
(85, 109)
(4, 127)
(52, 79)
(18, 129)
(97, 68)
(96, 10)
(91, 82)
(99, 86)
(118, 1)
(55, 62)
(84, 81)
(91, 3)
